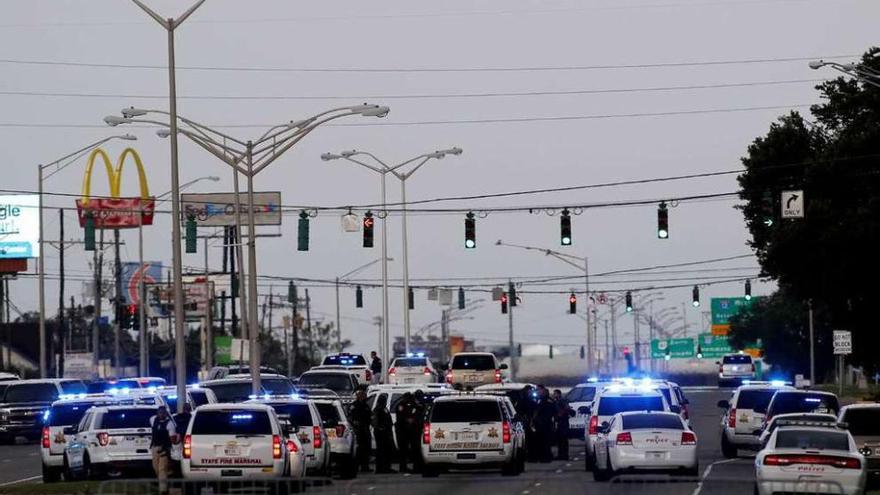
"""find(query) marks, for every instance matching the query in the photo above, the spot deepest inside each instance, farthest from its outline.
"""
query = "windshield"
(345, 360)
(609, 406)
(231, 422)
(648, 421)
(465, 411)
(231, 392)
(125, 418)
(68, 414)
(98, 387)
(199, 397)
(328, 412)
(812, 440)
(755, 400)
(863, 421)
(581, 394)
(667, 393)
(74, 387)
(796, 402)
(277, 386)
(337, 382)
(738, 359)
(296, 414)
(31, 392)
(478, 362)
(410, 363)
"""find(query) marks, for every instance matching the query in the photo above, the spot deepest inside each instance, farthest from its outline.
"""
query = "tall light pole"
(342, 278)
(567, 258)
(41, 269)
(246, 158)
(859, 71)
(396, 170)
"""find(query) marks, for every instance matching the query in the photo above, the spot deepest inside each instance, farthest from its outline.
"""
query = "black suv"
(24, 402)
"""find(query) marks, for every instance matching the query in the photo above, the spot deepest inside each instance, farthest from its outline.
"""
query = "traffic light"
(748, 290)
(191, 234)
(411, 296)
(460, 298)
(699, 351)
(572, 303)
(291, 292)
(134, 322)
(768, 209)
(629, 302)
(302, 243)
(662, 221)
(89, 235)
(368, 229)
(696, 296)
(565, 228)
(511, 290)
(504, 303)
(358, 297)
(470, 231)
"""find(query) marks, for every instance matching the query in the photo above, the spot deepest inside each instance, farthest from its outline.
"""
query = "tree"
(830, 255)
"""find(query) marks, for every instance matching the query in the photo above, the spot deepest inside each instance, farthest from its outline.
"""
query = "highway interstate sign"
(792, 204)
(676, 348)
(842, 342)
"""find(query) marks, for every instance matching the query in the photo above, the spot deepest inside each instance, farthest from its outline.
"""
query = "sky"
(538, 94)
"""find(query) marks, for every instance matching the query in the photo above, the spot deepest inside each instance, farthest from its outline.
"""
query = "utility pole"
(638, 354)
(60, 326)
(271, 303)
(118, 368)
(510, 343)
(812, 344)
(614, 347)
(295, 335)
(287, 346)
(609, 360)
(4, 340)
(96, 328)
(309, 324)
(339, 323)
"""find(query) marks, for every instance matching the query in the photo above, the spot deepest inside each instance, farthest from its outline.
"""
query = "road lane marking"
(32, 478)
(709, 470)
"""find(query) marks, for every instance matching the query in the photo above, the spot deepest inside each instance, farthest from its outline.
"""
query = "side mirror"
(584, 410)
(723, 404)
(503, 366)
(70, 430)
(604, 427)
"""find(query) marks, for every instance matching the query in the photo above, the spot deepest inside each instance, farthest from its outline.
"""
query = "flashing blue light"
(152, 389)
(125, 390)
(243, 417)
(252, 397)
(75, 408)
(592, 379)
(267, 396)
(420, 354)
(81, 396)
(409, 354)
(746, 382)
(294, 396)
(172, 397)
(812, 399)
(195, 386)
(46, 414)
(777, 383)
(646, 380)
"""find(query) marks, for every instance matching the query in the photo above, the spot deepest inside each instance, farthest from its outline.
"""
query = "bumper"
(462, 459)
(316, 460)
(742, 439)
(21, 429)
(638, 460)
(576, 432)
(843, 486)
(297, 466)
(411, 379)
(340, 447)
(230, 473)
(51, 460)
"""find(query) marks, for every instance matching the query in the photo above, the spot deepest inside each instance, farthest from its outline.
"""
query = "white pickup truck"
(354, 363)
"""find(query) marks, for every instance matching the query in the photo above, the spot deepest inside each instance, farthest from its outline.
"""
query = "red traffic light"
(368, 222)
(626, 350)
(572, 298)
(132, 309)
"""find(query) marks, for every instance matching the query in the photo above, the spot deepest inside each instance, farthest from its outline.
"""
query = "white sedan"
(645, 442)
(810, 459)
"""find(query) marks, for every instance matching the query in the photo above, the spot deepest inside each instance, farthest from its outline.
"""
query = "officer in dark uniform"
(361, 417)
(164, 434)
(415, 431)
(544, 417)
(406, 411)
(383, 427)
(181, 420)
(525, 409)
(563, 413)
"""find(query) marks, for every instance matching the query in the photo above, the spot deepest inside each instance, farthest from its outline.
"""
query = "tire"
(589, 462)
(51, 474)
(601, 474)
(728, 449)
(521, 463)
(348, 468)
(7, 440)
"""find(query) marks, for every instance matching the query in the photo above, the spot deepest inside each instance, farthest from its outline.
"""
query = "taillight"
(291, 447)
(497, 376)
(45, 437)
(753, 367)
(449, 376)
(427, 371)
(720, 368)
(187, 447)
(316, 437)
(276, 447)
(821, 460)
(103, 438)
(688, 438)
(392, 371)
(369, 375)
(340, 431)
(731, 418)
(426, 434)
(594, 425)
(505, 432)
(624, 438)
(684, 409)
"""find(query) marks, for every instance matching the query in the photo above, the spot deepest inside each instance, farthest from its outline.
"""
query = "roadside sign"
(714, 346)
(842, 342)
(79, 365)
(723, 308)
(676, 348)
(793, 204)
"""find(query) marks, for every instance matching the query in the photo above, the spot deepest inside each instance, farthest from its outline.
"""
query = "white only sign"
(842, 342)
(793, 204)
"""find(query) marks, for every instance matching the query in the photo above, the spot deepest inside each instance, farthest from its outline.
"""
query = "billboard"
(218, 209)
(132, 273)
(19, 226)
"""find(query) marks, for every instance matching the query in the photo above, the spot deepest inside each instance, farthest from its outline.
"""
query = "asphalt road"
(21, 463)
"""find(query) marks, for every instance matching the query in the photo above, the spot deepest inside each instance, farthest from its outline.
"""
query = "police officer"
(525, 409)
(563, 413)
(361, 417)
(406, 411)
(383, 430)
(375, 368)
(181, 420)
(164, 434)
(415, 431)
(544, 416)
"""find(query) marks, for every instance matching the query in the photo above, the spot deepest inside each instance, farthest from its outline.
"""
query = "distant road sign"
(842, 342)
(793, 204)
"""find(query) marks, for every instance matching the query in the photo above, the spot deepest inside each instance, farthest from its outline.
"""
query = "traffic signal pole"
(117, 369)
(513, 357)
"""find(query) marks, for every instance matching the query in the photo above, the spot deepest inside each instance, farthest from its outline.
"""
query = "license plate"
(409, 380)
(464, 436)
(230, 472)
(656, 455)
(466, 456)
(473, 378)
(232, 451)
(331, 433)
(141, 441)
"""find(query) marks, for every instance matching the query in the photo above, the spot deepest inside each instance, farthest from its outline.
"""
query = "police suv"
(303, 420)
(109, 440)
(744, 415)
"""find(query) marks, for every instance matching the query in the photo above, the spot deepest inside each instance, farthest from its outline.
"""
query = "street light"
(41, 271)
(383, 169)
(246, 158)
(860, 72)
(342, 278)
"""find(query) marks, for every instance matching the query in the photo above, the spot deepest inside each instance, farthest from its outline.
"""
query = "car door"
(601, 445)
(77, 447)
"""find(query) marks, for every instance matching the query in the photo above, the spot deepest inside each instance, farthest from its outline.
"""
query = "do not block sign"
(842, 342)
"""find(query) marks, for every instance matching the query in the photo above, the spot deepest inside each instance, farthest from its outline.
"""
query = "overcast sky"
(605, 136)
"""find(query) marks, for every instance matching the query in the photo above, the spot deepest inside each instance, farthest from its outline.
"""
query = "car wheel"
(7, 440)
(348, 468)
(590, 462)
(728, 449)
(692, 472)
(88, 472)
(521, 463)
(51, 474)
(601, 474)
(510, 468)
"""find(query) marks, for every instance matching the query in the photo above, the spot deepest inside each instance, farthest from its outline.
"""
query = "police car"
(803, 458)
(472, 369)
(411, 369)
(645, 442)
(863, 423)
(234, 442)
(581, 395)
(815, 419)
(356, 364)
(744, 415)
(394, 393)
(109, 440)
(237, 388)
(304, 422)
(617, 398)
(469, 431)
(802, 401)
(58, 422)
(342, 382)
(195, 396)
(734, 368)
(340, 436)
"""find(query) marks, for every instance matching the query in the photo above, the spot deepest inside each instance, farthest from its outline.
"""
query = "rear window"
(410, 362)
(75, 387)
(345, 360)
(231, 422)
(755, 400)
(811, 439)
(199, 398)
(231, 392)
(473, 362)
(277, 386)
(328, 412)
(667, 393)
(68, 414)
(98, 387)
(797, 402)
(465, 411)
(609, 406)
(337, 382)
(397, 397)
(581, 394)
(642, 421)
(31, 392)
(125, 418)
(297, 414)
(737, 359)
(863, 422)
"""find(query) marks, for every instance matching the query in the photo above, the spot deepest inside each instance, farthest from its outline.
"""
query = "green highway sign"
(223, 350)
(725, 307)
(714, 346)
(676, 348)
